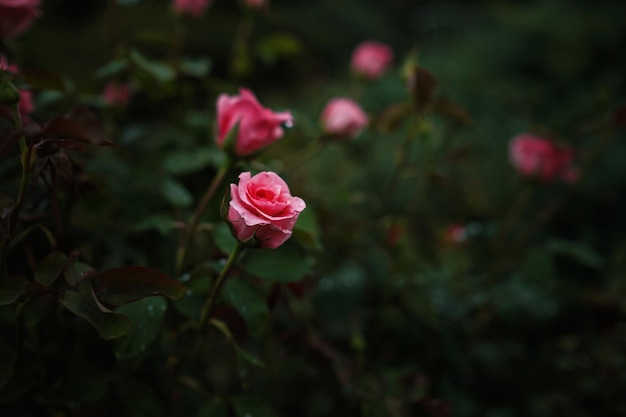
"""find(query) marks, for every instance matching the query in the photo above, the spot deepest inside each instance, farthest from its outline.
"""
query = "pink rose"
(5, 65)
(16, 16)
(258, 126)
(115, 94)
(262, 207)
(26, 106)
(536, 157)
(371, 59)
(192, 8)
(343, 118)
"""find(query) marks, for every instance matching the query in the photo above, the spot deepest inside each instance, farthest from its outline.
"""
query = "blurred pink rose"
(116, 94)
(262, 207)
(16, 16)
(192, 8)
(536, 157)
(343, 118)
(5, 65)
(26, 105)
(258, 126)
(371, 59)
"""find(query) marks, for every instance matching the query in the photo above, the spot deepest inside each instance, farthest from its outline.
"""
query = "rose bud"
(116, 94)
(191, 8)
(539, 158)
(261, 207)
(258, 126)
(371, 59)
(16, 16)
(343, 118)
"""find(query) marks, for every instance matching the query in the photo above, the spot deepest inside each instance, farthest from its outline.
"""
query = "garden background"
(426, 277)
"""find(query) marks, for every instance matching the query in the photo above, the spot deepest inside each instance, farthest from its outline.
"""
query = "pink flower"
(258, 126)
(343, 118)
(5, 65)
(371, 59)
(536, 157)
(16, 16)
(116, 94)
(192, 8)
(262, 207)
(26, 105)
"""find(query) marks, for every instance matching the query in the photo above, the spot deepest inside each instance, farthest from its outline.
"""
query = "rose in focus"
(16, 16)
(343, 118)
(191, 8)
(371, 59)
(537, 157)
(258, 126)
(263, 208)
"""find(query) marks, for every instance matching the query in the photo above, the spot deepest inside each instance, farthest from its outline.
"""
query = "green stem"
(240, 44)
(183, 249)
(403, 158)
(217, 286)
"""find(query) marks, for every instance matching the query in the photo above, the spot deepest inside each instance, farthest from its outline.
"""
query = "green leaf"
(196, 67)
(159, 71)
(8, 360)
(50, 268)
(579, 251)
(289, 262)
(163, 223)
(248, 406)
(146, 317)
(306, 230)
(224, 238)
(277, 45)
(122, 285)
(10, 289)
(247, 357)
(83, 304)
(186, 162)
(112, 68)
(176, 193)
(214, 407)
(248, 302)
(139, 399)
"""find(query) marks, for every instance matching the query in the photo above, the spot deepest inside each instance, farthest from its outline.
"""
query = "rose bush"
(343, 118)
(263, 208)
(16, 16)
(371, 59)
(258, 126)
(537, 157)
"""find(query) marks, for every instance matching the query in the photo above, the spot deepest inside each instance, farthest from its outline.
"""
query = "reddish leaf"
(80, 124)
(122, 285)
(83, 303)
